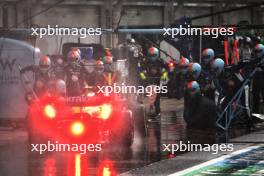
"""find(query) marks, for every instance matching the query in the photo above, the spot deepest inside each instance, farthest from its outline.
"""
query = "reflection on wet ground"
(17, 159)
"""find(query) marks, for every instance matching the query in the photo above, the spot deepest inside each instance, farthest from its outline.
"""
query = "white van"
(14, 53)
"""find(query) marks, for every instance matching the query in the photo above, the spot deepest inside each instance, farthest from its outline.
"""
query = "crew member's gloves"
(164, 75)
(142, 76)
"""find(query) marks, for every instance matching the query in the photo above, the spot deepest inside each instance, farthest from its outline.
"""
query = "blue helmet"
(193, 86)
(195, 69)
(259, 50)
(208, 55)
(218, 65)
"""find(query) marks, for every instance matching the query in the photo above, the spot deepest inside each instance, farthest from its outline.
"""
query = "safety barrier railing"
(229, 112)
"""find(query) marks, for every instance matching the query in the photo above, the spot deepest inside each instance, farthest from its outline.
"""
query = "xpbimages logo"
(194, 31)
(189, 147)
(57, 147)
(124, 89)
(61, 31)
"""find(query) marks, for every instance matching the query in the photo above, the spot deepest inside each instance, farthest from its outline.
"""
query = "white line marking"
(213, 161)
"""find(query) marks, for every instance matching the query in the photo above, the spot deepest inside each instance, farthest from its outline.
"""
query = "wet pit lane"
(16, 157)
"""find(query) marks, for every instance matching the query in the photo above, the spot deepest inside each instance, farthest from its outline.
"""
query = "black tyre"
(140, 120)
(34, 137)
(128, 130)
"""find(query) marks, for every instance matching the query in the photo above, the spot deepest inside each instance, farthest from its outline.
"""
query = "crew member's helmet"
(193, 86)
(44, 64)
(218, 65)
(76, 49)
(59, 61)
(259, 50)
(108, 52)
(99, 66)
(247, 40)
(184, 64)
(108, 59)
(74, 55)
(131, 41)
(99, 63)
(258, 39)
(195, 69)
(60, 87)
(153, 53)
(208, 55)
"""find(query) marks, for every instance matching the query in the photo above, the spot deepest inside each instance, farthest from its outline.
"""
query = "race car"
(88, 119)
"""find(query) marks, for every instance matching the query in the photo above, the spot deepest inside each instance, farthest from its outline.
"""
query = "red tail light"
(77, 128)
(49, 111)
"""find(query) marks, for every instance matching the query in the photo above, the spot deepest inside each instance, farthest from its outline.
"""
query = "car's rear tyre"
(128, 130)
(124, 134)
(34, 137)
(140, 120)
